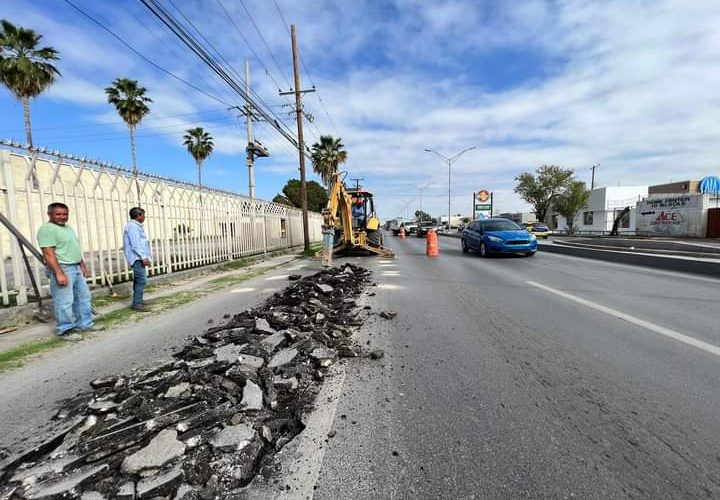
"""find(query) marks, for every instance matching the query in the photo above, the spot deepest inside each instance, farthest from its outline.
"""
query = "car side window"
(480, 227)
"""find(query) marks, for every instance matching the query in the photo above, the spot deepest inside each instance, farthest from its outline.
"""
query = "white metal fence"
(187, 228)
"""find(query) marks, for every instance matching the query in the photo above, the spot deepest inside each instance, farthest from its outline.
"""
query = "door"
(713, 223)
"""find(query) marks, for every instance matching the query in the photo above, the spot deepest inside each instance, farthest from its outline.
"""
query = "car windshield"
(540, 227)
(500, 225)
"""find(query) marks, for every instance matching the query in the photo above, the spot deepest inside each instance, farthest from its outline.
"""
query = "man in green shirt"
(66, 271)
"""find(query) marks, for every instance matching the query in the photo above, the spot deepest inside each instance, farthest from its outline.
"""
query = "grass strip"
(13, 358)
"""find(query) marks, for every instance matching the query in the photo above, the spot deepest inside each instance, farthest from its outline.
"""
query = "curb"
(666, 262)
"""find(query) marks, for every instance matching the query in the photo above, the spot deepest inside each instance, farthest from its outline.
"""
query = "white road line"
(710, 348)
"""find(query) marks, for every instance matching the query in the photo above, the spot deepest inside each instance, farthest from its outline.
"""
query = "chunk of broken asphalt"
(163, 448)
(390, 314)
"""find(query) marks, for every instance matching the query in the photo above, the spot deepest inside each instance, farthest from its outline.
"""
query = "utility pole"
(301, 144)
(250, 139)
(592, 181)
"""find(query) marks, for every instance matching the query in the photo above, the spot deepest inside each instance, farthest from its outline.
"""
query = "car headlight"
(495, 239)
(532, 237)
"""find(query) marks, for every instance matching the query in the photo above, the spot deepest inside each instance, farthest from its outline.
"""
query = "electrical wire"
(172, 24)
(312, 82)
(252, 20)
(149, 61)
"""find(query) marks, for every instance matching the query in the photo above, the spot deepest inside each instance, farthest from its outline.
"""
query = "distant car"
(423, 228)
(410, 227)
(497, 235)
(539, 230)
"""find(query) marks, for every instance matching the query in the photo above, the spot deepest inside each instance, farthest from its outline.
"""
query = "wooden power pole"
(301, 144)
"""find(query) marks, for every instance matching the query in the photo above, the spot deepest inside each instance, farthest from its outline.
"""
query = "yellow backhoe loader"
(352, 213)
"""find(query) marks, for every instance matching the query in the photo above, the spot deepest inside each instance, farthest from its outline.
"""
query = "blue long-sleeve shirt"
(135, 243)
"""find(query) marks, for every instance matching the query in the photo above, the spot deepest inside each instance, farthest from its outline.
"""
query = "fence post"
(18, 270)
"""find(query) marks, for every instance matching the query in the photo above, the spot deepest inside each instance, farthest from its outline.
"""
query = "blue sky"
(629, 84)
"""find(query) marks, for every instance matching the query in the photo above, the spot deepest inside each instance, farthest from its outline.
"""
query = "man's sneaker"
(93, 329)
(72, 337)
(141, 308)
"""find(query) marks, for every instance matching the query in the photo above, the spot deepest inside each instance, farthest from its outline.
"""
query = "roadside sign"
(483, 195)
(479, 207)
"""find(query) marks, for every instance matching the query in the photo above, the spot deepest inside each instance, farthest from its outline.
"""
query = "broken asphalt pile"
(201, 425)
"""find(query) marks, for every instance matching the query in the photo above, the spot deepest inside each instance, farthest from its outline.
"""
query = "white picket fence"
(187, 228)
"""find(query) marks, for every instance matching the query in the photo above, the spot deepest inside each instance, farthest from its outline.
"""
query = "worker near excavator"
(328, 230)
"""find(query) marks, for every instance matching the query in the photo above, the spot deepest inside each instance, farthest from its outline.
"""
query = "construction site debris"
(201, 424)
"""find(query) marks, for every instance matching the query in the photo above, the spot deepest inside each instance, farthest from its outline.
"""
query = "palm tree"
(199, 144)
(327, 155)
(24, 68)
(131, 103)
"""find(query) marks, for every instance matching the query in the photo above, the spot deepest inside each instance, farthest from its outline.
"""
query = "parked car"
(498, 235)
(424, 227)
(538, 229)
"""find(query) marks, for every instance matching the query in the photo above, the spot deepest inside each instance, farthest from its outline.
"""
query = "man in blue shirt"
(138, 254)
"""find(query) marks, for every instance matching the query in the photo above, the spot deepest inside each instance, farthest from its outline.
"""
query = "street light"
(421, 189)
(449, 162)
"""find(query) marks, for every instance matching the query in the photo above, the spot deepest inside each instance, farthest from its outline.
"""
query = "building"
(520, 217)
(603, 207)
(677, 209)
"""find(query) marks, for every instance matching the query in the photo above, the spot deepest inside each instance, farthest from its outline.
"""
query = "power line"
(172, 24)
(242, 35)
(220, 56)
(266, 44)
(149, 61)
(115, 122)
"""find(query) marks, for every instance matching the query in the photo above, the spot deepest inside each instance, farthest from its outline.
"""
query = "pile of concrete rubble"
(200, 425)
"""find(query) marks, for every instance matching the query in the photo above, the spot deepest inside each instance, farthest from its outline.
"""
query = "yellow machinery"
(352, 213)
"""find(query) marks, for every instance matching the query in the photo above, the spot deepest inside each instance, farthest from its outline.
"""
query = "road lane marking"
(705, 346)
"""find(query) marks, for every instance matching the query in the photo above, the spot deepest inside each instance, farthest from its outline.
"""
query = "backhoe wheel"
(374, 238)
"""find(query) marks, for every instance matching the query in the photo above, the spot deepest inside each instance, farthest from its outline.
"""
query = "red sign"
(483, 195)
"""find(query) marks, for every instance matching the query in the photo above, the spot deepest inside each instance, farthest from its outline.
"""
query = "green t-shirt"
(64, 239)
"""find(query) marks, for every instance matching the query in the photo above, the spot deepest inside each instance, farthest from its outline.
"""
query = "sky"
(631, 85)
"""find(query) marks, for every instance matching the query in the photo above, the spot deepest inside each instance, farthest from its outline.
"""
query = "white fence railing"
(187, 228)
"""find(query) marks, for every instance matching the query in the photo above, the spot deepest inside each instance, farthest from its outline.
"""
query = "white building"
(603, 207)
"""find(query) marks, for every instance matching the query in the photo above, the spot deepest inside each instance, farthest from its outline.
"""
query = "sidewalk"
(202, 283)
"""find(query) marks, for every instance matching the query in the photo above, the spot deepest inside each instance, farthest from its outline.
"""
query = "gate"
(713, 223)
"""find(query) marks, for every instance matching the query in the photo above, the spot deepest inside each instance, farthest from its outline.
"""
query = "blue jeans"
(71, 302)
(139, 282)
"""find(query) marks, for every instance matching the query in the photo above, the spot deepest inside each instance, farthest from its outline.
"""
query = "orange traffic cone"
(431, 248)
(402, 233)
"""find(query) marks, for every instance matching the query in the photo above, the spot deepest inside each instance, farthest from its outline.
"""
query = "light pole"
(421, 189)
(449, 162)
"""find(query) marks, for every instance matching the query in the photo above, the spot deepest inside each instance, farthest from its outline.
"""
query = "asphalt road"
(542, 377)
(493, 387)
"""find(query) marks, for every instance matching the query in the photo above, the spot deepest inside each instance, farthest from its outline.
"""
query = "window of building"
(588, 218)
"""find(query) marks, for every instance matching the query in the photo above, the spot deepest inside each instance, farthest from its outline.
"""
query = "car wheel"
(483, 250)
(465, 248)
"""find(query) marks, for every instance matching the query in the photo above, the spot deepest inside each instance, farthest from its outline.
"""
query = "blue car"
(497, 235)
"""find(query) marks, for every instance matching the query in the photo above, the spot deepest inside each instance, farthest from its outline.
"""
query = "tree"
(199, 144)
(422, 216)
(317, 196)
(132, 105)
(327, 155)
(25, 68)
(540, 189)
(571, 201)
